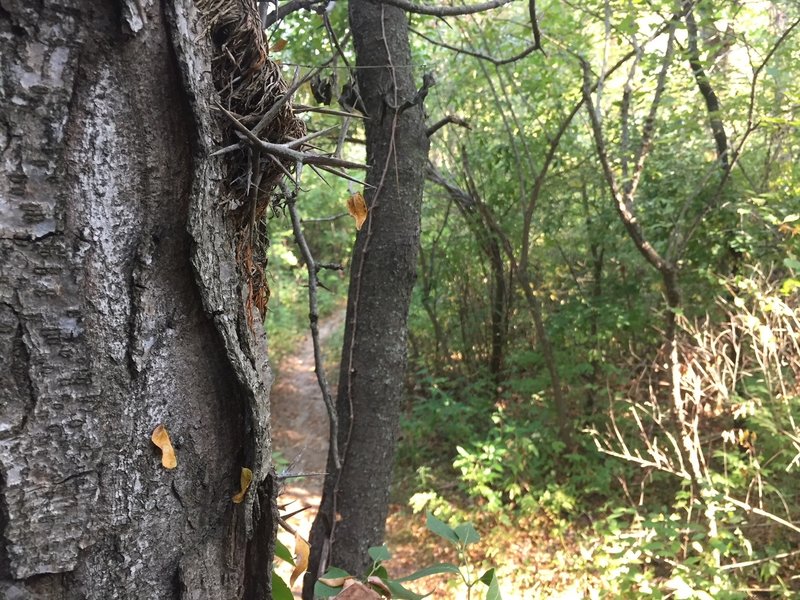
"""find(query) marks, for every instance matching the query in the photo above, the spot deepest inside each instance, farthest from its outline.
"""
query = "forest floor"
(526, 554)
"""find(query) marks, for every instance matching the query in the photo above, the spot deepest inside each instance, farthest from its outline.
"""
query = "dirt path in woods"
(300, 437)
(300, 432)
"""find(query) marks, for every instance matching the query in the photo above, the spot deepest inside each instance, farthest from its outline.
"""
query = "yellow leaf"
(357, 208)
(300, 557)
(244, 480)
(161, 439)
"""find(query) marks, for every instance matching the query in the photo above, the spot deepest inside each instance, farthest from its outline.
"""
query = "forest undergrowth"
(604, 337)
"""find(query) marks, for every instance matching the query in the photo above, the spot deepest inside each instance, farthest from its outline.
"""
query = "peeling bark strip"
(107, 329)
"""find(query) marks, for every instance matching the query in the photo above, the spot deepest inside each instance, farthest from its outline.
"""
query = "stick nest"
(248, 83)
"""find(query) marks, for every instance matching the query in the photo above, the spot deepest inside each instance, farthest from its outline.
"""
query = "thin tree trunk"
(106, 324)
(490, 245)
(355, 498)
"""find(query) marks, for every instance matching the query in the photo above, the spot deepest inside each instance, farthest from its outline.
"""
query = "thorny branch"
(444, 11)
(288, 150)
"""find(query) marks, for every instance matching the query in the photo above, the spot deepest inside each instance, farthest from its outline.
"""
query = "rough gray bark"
(107, 328)
(383, 271)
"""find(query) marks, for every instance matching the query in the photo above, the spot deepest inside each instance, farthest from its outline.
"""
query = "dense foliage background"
(614, 438)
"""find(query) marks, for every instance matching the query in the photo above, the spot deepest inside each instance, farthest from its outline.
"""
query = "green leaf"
(325, 591)
(466, 534)
(487, 577)
(280, 591)
(334, 573)
(398, 591)
(792, 264)
(490, 579)
(379, 553)
(440, 528)
(432, 570)
(283, 552)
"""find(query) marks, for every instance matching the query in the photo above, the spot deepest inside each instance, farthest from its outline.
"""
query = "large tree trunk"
(382, 277)
(121, 309)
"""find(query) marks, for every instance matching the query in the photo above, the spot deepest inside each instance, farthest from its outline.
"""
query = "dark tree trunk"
(383, 273)
(121, 309)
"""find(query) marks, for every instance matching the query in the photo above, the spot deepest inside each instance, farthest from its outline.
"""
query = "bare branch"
(629, 220)
(444, 121)
(649, 124)
(286, 151)
(286, 9)
(272, 113)
(495, 61)
(444, 11)
(537, 35)
(679, 242)
(301, 108)
(326, 219)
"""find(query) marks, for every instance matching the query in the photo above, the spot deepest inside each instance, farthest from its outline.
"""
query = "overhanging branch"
(444, 11)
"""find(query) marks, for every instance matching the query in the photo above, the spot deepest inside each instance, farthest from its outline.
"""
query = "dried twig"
(456, 120)
(479, 55)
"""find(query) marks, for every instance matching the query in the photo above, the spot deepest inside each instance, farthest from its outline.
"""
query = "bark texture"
(355, 499)
(107, 328)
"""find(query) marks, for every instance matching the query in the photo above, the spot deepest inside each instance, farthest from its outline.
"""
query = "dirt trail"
(300, 436)
(300, 432)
